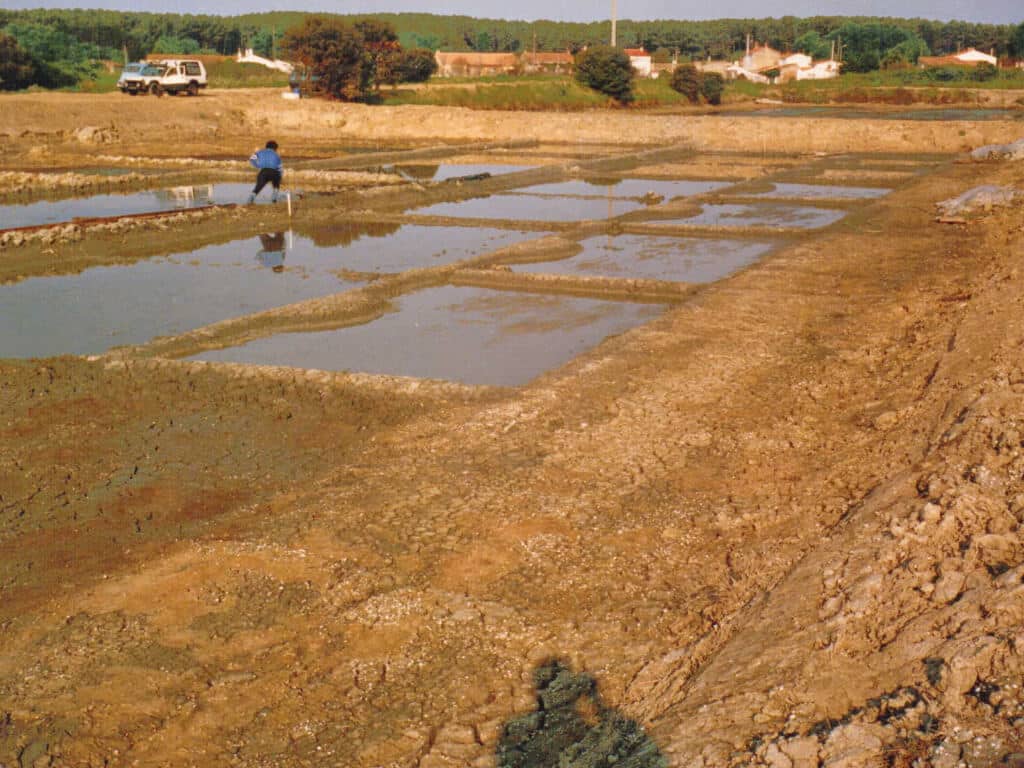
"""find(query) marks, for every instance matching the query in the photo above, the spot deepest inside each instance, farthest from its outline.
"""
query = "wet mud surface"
(776, 524)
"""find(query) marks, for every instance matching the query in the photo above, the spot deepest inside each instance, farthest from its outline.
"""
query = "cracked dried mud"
(777, 525)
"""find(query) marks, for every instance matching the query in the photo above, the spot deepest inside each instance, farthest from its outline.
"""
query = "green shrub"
(984, 72)
(17, 69)
(687, 81)
(607, 70)
(711, 86)
(416, 65)
(945, 74)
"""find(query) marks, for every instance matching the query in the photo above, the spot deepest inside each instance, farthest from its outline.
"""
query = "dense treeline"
(62, 43)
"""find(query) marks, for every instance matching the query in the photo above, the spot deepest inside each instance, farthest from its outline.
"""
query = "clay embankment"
(230, 121)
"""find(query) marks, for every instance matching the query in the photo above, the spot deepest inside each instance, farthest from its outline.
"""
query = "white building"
(640, 59)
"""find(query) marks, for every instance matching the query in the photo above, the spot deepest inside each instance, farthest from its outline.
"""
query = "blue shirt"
(266, 158)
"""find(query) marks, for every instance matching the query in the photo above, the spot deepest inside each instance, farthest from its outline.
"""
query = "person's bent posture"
(269, 170)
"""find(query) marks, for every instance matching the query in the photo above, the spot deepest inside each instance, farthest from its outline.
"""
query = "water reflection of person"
(271, 253)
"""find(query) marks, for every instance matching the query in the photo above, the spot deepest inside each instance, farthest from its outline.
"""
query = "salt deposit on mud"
(778, 525)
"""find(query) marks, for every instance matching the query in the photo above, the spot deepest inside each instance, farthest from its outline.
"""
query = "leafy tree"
(687, 81)
(711, 86)
(262, 43)
(168, 44)
(60, 59)
(864, 45)
(335, 54)
(17, 69)
(381, 43)
(813, 44)
(661, 55)
(607, 70)
(1018, 41)
(376, 32)
(415, 65)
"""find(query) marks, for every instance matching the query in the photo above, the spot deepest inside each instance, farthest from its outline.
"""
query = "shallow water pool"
(152, 201)
(445, 171)
(532, 208)
(824, 192)
(469, 335)
(626, 188)
(103, 307)
(761, 215)
(676, 259)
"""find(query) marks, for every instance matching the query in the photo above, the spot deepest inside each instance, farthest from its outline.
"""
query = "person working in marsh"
(268, 163)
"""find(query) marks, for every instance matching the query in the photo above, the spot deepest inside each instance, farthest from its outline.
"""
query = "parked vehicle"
(302, 83)
(138, 77)
(179, 76)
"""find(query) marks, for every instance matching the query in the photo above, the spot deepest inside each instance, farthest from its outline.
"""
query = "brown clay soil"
(779, 525)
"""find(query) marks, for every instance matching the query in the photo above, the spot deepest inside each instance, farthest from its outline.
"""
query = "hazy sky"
(995, 11)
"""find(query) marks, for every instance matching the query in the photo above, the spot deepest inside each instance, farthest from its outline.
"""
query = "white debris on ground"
(983, 198)
(1013, 151)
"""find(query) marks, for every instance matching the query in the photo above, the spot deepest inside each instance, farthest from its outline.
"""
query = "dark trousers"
(267, 176)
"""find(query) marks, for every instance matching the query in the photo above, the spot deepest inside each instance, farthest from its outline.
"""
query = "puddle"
(533, 208)
(767, 215)
(446, 171)
(824, 192)
(470, 335)
(685, 260)
(103, 307)
(174, 198)
(626, 188)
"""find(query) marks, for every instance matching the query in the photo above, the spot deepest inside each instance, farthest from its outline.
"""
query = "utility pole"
(613, 24)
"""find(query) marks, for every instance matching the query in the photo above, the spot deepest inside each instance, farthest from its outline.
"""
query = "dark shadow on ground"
(572, 728)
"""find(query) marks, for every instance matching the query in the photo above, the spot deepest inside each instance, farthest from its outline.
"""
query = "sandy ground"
(779, 525)
(223, 124)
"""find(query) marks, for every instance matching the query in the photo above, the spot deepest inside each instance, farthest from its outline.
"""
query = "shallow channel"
(470, 335)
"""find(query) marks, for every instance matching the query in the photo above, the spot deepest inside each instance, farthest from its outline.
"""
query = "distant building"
(761, 58)
(640, 60)
(472, 64)
(760, 61)
(736, 71)
(547, 61)
(967, 58)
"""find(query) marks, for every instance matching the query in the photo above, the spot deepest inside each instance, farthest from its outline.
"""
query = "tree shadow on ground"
(572, 728)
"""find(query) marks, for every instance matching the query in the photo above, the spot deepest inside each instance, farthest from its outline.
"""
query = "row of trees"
(720, 38)
(63, 43)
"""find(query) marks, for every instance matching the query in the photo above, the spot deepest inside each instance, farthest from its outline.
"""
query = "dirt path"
(226, 124)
